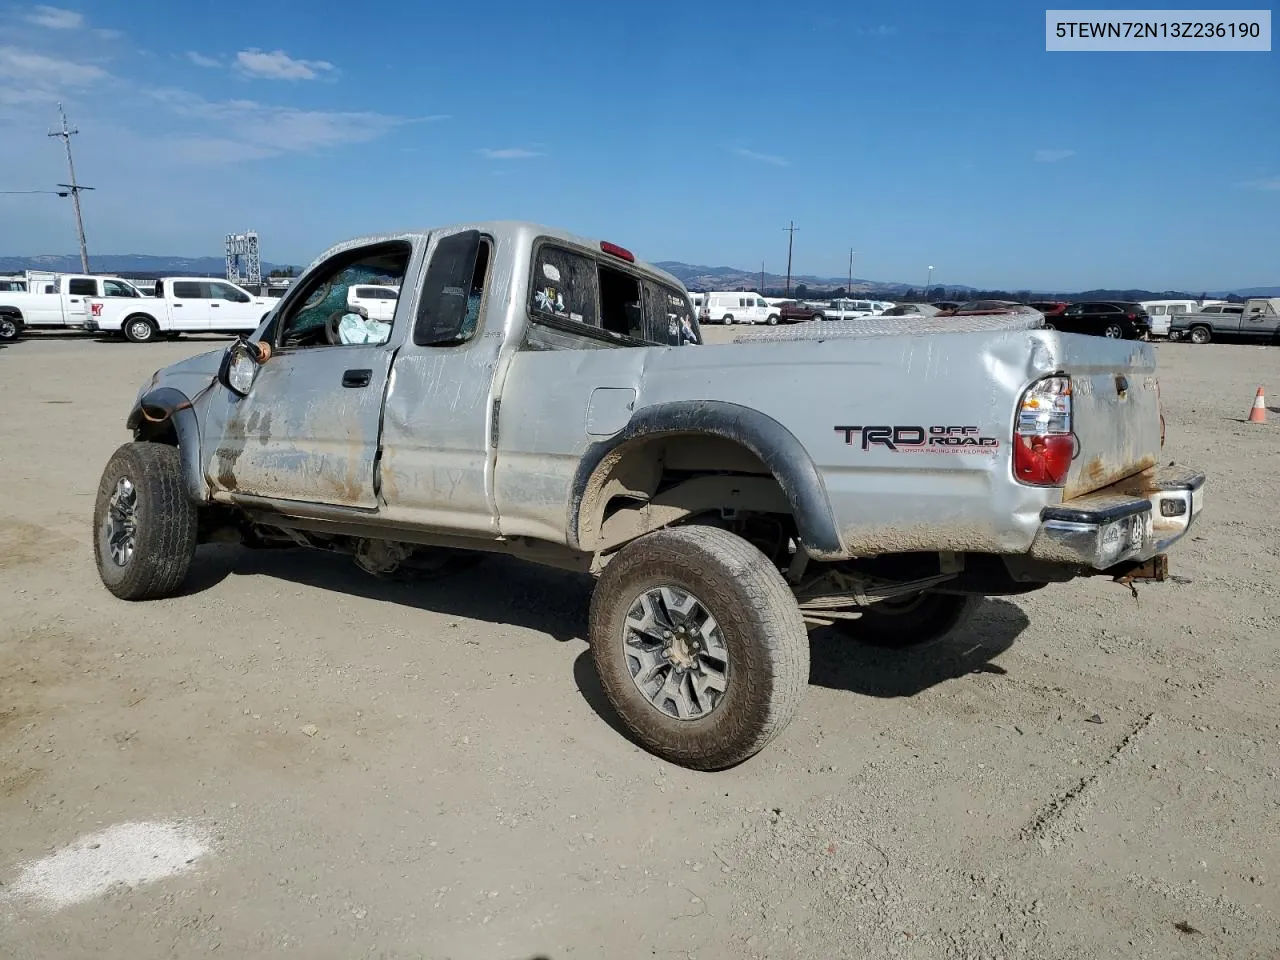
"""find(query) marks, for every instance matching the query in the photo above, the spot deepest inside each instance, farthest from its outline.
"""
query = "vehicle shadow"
(497, 590)
(839, 663)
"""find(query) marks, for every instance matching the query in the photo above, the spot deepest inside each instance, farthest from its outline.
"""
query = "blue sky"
(930, 133)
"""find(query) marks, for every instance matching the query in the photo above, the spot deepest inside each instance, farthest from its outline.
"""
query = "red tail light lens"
(622, 253)
(1043, 440)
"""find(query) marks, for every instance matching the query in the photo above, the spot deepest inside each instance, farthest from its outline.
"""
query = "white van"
(1162, 313)
(697, 300)
(738, 307)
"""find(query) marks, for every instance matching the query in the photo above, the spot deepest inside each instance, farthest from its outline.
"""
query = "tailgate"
(1115, 403)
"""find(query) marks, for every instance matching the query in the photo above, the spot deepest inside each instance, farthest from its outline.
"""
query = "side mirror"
(240, 365)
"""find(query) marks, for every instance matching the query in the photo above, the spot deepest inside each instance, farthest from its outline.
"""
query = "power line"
(66, 133)
(56, 193)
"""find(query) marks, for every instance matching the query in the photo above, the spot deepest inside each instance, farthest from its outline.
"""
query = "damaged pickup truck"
(546, 396)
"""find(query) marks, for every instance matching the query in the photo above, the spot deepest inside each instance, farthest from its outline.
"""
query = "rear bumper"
(1134, 520)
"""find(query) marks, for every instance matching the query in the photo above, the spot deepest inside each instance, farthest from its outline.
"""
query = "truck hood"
(188, 376)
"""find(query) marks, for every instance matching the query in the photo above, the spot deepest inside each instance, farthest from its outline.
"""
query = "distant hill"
(131, 263)
(1252, 292)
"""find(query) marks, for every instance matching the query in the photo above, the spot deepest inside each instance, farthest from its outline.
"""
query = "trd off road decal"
(915, 439)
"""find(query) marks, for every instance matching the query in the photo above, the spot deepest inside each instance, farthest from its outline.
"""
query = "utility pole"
(848, 291)
(66, 133)
(791, 236)
(762, 278)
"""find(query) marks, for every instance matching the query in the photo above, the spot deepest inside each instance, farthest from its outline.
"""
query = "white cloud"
(1266, 183)
(880, 30)
(278, 65)
(1053, 156)
(55, 18)
(31, 78)
(109, 34)
(769, 158)
(508, 153)
(200, 60)
(252, 130)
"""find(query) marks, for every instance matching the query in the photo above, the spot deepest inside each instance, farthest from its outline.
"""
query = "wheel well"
(13, 312)
(657, 481)
(142, 316)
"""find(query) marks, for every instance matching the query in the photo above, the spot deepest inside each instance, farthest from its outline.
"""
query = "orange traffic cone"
(1259, 412)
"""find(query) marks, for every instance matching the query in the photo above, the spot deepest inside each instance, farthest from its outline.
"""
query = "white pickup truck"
(62, 304)
(181, 305)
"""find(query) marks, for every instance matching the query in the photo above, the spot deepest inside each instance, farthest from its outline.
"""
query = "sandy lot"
(320, 764)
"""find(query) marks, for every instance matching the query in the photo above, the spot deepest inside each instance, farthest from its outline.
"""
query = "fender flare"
(777, 447)
(165, 404)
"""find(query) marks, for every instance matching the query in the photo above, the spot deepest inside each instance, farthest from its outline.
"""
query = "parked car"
(793, 311)
(379, 302)
(848, 309)
(181, 305)
(982, 308)
(730, 307)
(1162, 313)
(1050, 309)
(61, 303)
(946, 304)
(723, 501)
(1115, 319)
(912, 310)
(1256, 319)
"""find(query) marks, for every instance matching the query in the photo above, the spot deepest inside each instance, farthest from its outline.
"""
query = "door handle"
(177, 304)
(74, 300)
(357, 378)
(215, 304)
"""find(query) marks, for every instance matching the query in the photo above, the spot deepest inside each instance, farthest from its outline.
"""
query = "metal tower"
(244, 265)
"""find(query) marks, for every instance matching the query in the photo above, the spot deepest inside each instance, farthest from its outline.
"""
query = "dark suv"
(793, 311)
(1110, 318)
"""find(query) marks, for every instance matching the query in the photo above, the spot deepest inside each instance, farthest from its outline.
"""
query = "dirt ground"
(371, 769)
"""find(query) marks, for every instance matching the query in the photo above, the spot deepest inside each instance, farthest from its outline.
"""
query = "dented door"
(308, 430)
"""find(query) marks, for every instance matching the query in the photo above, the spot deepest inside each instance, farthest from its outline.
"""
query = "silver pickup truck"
(544, 395)
(1256, 319)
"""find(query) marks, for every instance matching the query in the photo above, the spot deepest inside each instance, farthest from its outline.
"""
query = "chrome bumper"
(1135, 520)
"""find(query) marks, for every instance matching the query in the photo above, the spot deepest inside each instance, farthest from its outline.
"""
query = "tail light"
(1043, 440)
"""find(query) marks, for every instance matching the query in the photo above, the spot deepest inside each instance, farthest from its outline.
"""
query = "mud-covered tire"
(140, 329)
(164, 525)
(900, 625)
(760, 624)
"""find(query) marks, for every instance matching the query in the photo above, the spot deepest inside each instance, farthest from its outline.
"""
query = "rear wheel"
(699, 645)
(913, 621)
(10, 328)
(1114, 331)
(1200, 335)
(728, 319)
(140, 329)
(144, 526)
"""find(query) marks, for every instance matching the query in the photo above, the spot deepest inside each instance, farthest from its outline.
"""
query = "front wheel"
(773, 320)
(912, 621)
(10, 328)
(140, 329)
(699, 645)
(144, 525)
(1200, 335)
